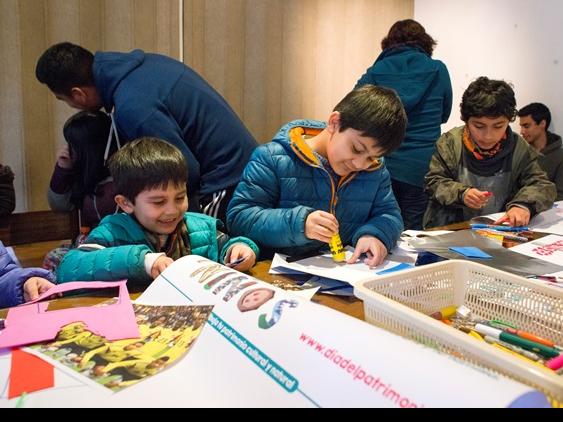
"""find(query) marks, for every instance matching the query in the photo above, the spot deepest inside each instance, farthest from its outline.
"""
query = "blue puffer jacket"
(284, 182)
(123, 245)
(13, 277)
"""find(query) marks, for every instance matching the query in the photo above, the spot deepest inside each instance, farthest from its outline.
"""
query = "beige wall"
(274, 60)
(31, 119)
(278, 60)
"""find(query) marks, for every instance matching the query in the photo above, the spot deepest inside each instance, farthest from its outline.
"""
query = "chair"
(39, 226)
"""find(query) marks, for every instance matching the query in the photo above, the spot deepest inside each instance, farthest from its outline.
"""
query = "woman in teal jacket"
(424, 86)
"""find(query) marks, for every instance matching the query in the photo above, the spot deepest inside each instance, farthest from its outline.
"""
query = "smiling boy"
(316, 179)
(155, 229)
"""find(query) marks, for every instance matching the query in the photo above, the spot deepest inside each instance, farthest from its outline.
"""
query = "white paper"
(324, 266)
(548, 248)
(311, 356)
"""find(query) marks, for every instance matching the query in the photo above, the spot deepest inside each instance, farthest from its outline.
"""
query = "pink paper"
(31, 323)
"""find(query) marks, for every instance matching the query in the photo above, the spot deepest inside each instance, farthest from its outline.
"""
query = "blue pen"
(499, 228)
(235, 263)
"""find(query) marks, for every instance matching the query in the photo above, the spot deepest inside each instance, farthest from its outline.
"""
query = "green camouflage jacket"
(530, 186)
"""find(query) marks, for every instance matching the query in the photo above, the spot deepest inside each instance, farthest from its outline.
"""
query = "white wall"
(520, 41)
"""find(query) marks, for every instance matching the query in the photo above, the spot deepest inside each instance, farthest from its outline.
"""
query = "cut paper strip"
(470, 252)
(400, 267)
(33, 323)
(29, 373)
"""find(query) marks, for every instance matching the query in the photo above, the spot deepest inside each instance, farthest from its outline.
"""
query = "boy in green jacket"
(483, 167)
(155, 229)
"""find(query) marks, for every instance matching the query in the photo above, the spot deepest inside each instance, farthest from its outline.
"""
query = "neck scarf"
(487, 162)
(478, 152)
(175, 246)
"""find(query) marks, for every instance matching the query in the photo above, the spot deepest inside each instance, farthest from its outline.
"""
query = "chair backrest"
(39, 226)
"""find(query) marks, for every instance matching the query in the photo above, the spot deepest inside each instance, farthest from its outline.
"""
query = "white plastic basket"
(401, 302)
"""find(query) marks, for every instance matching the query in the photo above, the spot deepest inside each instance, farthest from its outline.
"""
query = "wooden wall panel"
(300, 57)
(11, 109)
(273, 60)
(31, 119)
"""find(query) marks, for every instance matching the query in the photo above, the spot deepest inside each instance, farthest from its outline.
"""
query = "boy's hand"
(160, 265)
(241, 251)
(476, 199)
(64, 159)
(516, 217)
(321, 226)
(34, 287)
(373, 248)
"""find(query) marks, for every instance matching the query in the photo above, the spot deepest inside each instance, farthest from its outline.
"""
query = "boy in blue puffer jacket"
(19, 285)
(150, 182)
(317, 179)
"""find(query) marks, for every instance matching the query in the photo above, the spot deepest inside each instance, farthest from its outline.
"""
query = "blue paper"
(402, 266)
(470, 252)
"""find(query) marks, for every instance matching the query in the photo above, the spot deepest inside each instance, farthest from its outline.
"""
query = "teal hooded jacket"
(119, 245)
(425, 89)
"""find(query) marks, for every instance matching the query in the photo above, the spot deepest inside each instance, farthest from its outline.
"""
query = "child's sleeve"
(536, 192)
(253, 210)
(103, 257)
(441, 181)
(13, 277)
(385, 222)
(225, 244)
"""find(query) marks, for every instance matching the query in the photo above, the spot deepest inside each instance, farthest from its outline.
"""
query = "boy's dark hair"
(64, 66)
(377, 113)
(147, 163)
(87, 134)
(538, 111)
(408, 32)
(486, 97)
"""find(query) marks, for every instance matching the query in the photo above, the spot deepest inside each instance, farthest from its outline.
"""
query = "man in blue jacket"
(154, 95)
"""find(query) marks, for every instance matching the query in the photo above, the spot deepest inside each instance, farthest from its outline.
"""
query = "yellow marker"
(445, 313)
(519, 356)
(476, 335)
(338, 254)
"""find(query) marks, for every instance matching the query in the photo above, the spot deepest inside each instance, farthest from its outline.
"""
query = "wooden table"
(31, 255)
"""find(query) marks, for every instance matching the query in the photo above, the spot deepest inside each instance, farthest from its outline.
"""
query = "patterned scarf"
(176, 245)
(477, 152)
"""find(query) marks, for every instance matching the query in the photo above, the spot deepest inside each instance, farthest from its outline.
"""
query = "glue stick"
(338, 254)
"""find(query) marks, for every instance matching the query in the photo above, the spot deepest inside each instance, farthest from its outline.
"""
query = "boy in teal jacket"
(150, 179)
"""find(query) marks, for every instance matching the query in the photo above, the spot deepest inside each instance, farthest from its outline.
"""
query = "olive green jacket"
(529, 184)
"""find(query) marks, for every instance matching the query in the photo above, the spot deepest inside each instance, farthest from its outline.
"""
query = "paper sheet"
(324, 266)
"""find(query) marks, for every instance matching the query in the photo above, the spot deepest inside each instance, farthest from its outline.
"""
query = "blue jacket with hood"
(154, 95)
(425, 89)
(13, 277)
(284, 182)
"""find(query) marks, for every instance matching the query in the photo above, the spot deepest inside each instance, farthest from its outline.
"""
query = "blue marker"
(499, 228)
(236, 262)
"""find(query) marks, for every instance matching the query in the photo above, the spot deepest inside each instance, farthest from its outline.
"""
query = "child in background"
(81, 178)
(19, 285)
(317, 179)
(155, 229)
(7, 193)
(483, 167)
